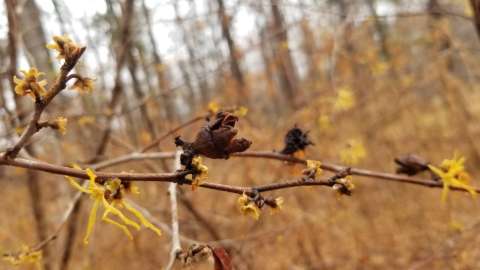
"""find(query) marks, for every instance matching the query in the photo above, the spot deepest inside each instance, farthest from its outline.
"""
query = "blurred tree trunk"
(61, 21)
(132, 125)
(453, 97)
(284, 62)
(232, 49)
(137, 89)
(34, 39)
(475, 5)
(196, 64)
(188, 84)
(380, 29)
(34, 189)
(310, 50)
(161, 69)
(117, 90)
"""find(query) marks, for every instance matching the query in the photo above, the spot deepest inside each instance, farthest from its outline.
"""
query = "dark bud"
(187, 154)
(410, 164)
(295, 140)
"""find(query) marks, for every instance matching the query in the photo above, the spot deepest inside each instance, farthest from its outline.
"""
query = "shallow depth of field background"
(412, 68)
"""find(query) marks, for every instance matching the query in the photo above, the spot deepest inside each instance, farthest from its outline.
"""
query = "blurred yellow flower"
(452, 173)
(324, 122)
(83, 85)
(315, 166)
(353, 153)
(26, 256)
(63, 45)
(379, 68)
(30, 84)
(86, 120)
(345, 99)
(213, 107)
(248, 207)
(240, 111)
(61, 123)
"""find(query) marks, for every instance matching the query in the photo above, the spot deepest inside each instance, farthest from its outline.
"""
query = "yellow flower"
(248, 207)
(30, 84)
(324, 122)
(201, 172)
(213, 107)
(314, 165)
(26, 256)
(240, 111)
(452, 173)
(353, 153)
(314, 168)
(61, 124)
(345, 99)
(64, 45)
(344, 186)
(86, 120)
(83, 85)
(110, 195)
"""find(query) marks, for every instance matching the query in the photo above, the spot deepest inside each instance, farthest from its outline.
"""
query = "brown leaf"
(222, 259)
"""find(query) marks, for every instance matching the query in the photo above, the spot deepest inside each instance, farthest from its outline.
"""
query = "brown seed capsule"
(217, 139)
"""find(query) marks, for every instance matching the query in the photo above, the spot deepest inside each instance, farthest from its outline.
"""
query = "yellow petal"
(113, 222)
(142, 219)
(91, 221)
(118, 213)
(92, 176)
(76, 185)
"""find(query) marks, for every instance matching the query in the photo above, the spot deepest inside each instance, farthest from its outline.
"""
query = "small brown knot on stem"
(411, 164)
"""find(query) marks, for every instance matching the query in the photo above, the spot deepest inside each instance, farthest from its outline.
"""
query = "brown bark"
(475, 4)
(124, 46)
(34, 190)
(197, 65)
(232, 49)
(160, 69)
(34, 38)
(380, 29)
(286, 68)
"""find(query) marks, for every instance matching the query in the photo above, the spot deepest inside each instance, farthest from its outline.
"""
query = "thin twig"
(41, 104)
(173, 131)
(172, 191)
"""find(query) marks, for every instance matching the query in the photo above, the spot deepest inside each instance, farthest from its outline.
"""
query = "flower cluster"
(314, 168)
(344, 186)
(251, 206)
(452, 173)
(30, 84)
(65, 47)
(110, 195)
(200, 172)
(83, 85)
(247, 206)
